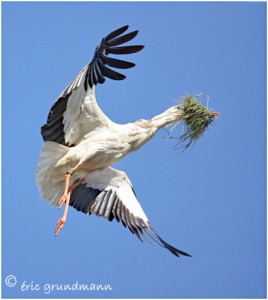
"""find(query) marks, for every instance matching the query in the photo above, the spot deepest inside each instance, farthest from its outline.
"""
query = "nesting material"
(196, 118)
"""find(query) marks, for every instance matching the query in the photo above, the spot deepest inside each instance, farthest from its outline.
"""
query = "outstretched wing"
(76, 111)
(97, 70)
(108, 193)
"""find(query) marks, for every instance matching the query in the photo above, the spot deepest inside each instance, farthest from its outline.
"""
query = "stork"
(81, 144)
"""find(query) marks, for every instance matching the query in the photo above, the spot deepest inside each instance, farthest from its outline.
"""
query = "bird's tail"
(50, 179)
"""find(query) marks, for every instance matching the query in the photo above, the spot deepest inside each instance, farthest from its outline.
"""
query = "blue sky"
(209, 201)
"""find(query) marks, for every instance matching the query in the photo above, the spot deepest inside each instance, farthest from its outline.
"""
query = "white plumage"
(81, 144)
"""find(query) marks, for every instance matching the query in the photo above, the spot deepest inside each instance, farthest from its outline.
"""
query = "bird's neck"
(143, 130)
(168, 117)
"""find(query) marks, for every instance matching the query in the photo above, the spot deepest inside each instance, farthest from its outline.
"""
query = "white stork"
(81, 143)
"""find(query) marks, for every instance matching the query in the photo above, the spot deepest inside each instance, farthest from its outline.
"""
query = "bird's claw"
(60, 225)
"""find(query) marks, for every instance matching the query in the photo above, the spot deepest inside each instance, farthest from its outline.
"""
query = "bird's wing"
(109, 193)
(76, 111)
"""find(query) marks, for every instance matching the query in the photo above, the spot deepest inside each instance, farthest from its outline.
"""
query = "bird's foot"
(60, 225)
(65, 198)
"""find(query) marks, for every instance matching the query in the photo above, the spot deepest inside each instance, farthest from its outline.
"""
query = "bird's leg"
(65, 193)
(68, 176)
(62, 220)
(70, 189)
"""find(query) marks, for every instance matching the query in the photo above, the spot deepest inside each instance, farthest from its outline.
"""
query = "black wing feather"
(116, 33)
(124, 49)
(107, 46)
(122, 39)
(101, 78)
(117, 63)
(108, 212)
(114, 210)
(110, 73)
(53, 129)
(82, 198)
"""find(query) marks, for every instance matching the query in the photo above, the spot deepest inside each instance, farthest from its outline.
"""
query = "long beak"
(215, 114)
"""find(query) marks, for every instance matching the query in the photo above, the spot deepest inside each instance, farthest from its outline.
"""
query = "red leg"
(65, 193)
(70, 189)
(62, 220)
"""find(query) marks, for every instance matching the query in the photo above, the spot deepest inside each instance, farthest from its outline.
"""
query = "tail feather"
(50, 179)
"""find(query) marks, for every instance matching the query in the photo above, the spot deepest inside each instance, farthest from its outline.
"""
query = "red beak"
(215, 114)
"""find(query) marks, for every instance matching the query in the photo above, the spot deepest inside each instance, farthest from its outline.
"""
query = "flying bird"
(81, 144)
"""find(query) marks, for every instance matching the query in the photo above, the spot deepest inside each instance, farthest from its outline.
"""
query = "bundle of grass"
(196, 118)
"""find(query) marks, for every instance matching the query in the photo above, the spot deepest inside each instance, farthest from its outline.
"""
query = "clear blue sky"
(209, 201)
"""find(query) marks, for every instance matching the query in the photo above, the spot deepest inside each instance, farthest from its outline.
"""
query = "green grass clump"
(196, 119)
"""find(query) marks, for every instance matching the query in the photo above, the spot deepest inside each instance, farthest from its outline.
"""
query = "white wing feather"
(82, 114)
